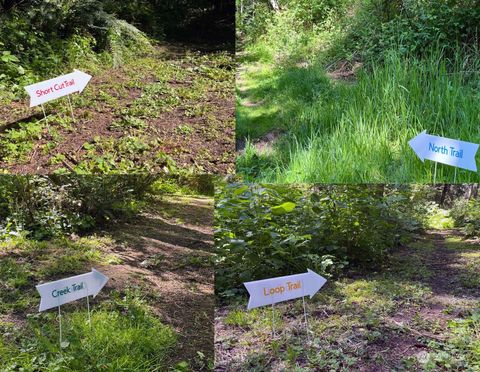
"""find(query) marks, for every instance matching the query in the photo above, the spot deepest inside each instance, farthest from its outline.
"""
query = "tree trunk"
(275, 5)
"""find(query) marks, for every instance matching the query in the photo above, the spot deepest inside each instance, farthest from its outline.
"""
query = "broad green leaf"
(283, 208)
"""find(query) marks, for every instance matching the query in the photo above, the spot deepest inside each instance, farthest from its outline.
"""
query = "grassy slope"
(344, 131)
(157, 263)
(171, 104)
(421, 312)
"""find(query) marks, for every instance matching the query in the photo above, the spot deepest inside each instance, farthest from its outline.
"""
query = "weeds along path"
(156, 310)
(172, 108)
(418, 313)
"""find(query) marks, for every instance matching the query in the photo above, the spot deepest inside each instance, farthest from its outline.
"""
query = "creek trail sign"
(445, 150)
(62, 291)
(61, 86)
(271, 291)
(55, 294)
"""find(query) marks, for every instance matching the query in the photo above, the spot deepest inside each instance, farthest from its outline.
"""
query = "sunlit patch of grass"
(123, 335)
(440, 219)
(242, 318)
(459, 243)
(354, 133)
(384, 295)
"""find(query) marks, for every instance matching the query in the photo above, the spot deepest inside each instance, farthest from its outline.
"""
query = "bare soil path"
(168, 253)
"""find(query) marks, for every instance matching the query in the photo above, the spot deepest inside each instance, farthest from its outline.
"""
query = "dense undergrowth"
(40, 39)
(270, 230)
(41, 207)
(346, 92)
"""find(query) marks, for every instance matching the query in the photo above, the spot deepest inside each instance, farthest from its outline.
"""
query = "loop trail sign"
(445, 150)
(61, 86)
(55, 294)
(270, 291)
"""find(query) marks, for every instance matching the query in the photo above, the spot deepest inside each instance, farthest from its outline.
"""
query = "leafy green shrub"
(413, 27)
(42, 38)
(49, 206)
(271, 230)
(466, 214)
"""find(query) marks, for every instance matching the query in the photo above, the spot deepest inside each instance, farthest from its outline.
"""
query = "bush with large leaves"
(270, 230)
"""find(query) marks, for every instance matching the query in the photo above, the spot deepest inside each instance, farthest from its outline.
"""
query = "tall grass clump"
(341, 132)
(124, 336)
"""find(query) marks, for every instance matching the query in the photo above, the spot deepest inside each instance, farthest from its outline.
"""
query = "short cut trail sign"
(55, 294)
(60, 86)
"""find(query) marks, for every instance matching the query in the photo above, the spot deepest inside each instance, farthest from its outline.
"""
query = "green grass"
(440, 219)
(343, 132)
(124, 336)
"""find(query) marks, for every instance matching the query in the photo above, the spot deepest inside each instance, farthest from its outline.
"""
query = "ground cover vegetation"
(160, 98)
(151, 236)
(402, 267)
(332, 91)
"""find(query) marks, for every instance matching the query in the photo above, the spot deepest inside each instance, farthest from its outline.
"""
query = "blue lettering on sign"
(456, 153)
(61, 292)
(438, 149)
(444, 150)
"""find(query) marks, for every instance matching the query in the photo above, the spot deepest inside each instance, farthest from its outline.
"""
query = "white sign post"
(61, 86)
(55, 294)
(446, 151)
(271, 291)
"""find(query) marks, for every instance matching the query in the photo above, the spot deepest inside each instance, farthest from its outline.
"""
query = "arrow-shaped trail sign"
(270, 291)
(60, 292)
(445, 150)
(61, 86)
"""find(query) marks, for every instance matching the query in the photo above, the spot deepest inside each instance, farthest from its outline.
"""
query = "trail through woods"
(168, 251)
(159, 261)
(398, 317)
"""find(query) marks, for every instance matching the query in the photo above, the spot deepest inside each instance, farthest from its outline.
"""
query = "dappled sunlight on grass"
(440, 219)
(357, 132)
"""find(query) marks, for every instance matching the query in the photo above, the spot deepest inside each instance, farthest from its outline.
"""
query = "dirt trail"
(265, 143)
(369, 321)
(171, 258)
(450, 299)
(174, 102)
